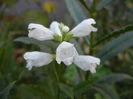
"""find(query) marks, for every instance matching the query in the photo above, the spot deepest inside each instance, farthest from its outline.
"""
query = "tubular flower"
(54, 27)
(37, 59)
(39, 32)
(65, 52)
(87, 62)
(84, 28)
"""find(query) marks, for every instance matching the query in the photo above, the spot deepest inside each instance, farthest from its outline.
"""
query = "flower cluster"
(65, 52)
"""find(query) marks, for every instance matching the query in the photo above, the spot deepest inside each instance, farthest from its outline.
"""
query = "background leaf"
(75, 10)
(113, 78)
(44, 45)
(115, 34)
(5, 92)
(106, 91)
(116, 46)
(103, 3)
(66, 89)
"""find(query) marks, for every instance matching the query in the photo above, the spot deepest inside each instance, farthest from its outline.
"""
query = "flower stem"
(55, 71)
(91, 43)
(91, 50)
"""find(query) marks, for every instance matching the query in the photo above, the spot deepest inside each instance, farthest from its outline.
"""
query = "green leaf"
(81, 87)
(83, 2)
(1, 43)
(44, 45)
(115, 34)
(106, 91)
(66, 89)
(75, 10)
(116, 46)
(5, 92)
(113, 78)
(103, 3)
(71, 73)
(25, 40)
(32, 91)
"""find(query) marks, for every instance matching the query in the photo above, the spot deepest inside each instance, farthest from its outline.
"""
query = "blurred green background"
(113, 41)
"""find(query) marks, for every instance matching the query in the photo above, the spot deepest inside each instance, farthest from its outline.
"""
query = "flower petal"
(54, 27)
(37, 59)
(87, 62)
(39, 32)
(66, 53)
(84, 28)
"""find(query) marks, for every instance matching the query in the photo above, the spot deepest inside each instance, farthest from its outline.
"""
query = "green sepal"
(57, 38)
(68, 36)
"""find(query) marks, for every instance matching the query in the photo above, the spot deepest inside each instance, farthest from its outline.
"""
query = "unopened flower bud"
(65, 29)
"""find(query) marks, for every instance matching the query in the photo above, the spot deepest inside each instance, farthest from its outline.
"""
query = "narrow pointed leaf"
(115, 34)
(103, 3)
(113, 78)
(106, 91)
(5, 92)
(116, 46)
(66, 89)
(75, 10)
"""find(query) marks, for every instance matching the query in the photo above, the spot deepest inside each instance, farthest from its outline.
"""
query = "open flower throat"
(65, 52)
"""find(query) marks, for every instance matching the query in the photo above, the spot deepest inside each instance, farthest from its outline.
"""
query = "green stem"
(91, 43)
(55, 71)
(91, 50)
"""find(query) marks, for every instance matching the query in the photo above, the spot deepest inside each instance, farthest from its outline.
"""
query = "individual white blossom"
(54, 27)
(39, 32)
(65, 52)
(84, 28)
(65, 29)
(37, 59)
(87, 63)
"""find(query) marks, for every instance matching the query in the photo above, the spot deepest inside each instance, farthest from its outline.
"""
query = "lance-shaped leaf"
(5, 92)
(43, 45)
(106, 91)
(113, 78)
(103, 3)
(116, 46)
(115, 34)
(66, 89)
(75, 10)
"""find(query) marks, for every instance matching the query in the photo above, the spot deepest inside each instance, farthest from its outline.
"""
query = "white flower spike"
(39, 32)
(65, 52)
(37, 59)
(87, 63)
(84, 28)
(54, 27)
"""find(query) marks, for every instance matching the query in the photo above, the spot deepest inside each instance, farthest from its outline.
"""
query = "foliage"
(112, 44)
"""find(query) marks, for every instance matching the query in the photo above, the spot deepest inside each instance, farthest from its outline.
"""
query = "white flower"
(84, 28)
(65, 53)
(54, 27)
(37, 59)
(39, 32)
(87, 63)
